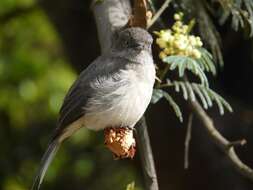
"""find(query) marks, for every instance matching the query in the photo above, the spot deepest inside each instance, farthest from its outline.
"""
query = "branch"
(146, 155)
(111, 15)
(238, 143)
(153, 9)
(159, 13)
(187, 142)
(226, 146)
(139, 17)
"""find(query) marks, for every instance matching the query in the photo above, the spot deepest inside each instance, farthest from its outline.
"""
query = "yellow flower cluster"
(177, 41)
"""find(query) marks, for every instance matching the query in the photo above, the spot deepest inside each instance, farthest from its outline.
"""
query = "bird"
(113, 91)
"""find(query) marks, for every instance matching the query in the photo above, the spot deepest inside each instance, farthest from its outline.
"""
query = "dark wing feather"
(80, 91)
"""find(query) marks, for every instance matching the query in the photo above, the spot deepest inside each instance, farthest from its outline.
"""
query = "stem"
(146, 155)
(187, 142)
(162, 76)
(221, 141)
(191, 25)
(153, 9)
(159, 13)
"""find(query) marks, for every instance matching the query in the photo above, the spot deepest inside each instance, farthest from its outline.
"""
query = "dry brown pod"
(120, 141)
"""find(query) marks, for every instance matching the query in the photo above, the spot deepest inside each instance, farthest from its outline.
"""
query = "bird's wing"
(101, 69)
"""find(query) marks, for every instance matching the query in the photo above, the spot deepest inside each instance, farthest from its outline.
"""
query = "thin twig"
(159, 13)
(146, 156)
(187, 142)
(238, 143)
(221, 141)
(153, 9)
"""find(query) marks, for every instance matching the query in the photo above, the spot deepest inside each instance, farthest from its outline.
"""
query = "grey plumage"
(102, 68)
(45, 162)
(106, 93)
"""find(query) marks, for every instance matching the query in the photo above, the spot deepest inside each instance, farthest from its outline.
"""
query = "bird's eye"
(126, 43)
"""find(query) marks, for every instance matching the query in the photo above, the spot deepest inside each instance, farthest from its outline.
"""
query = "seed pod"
(120, 141)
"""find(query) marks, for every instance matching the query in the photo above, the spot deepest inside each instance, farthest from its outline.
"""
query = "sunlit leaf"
(156, 96)
(182, 63)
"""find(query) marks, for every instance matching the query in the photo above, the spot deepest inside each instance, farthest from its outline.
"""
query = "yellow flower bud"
(165, 35)
(162, 55)
(198, 38)
(177, 41)
(199, 43)
(175, 28)
(196, 54)
(192, 40)
(171, 39)
(180, 44)
(177, 16)
(189, 50)
(178, 24)
(185, 29)
(169, 51)
(161, 43)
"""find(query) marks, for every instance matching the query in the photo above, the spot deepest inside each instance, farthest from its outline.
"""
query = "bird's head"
(133, 38)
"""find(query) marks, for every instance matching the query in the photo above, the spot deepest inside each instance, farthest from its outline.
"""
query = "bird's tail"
(45, 162)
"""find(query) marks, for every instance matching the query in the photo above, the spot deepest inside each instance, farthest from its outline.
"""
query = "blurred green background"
(44, 44)
(34, 77)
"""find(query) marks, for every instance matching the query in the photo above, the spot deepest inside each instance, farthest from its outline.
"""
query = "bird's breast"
(124, 106)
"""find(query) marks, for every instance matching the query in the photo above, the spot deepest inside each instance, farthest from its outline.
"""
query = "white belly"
(128, 108)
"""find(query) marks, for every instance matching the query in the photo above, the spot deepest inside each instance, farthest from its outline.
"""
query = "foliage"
(184, 62)
(206, 95)
(158, 94)
(241, 12)
(181, 60)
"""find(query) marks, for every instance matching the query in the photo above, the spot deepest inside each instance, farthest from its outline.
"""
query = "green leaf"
(185, 94)
(201, 96)
(206, 61)
(177, 87)
(205, 94)
(156, 96)
(241, 12)
(183, 62)
(221, 102)
(208, 99)
(192, 95)
(174, 105)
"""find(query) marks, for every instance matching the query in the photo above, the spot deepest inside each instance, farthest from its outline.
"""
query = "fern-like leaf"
(182, 63)
(206, 61)
(241, 12)
(174, 105)
(205, 94)
(158, 94)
